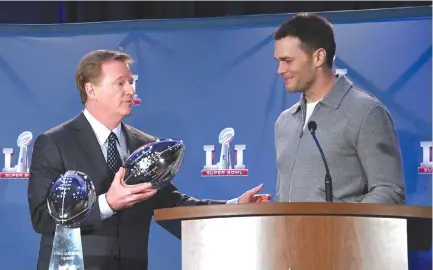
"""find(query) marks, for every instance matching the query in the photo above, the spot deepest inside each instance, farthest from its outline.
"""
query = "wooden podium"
(298, 236)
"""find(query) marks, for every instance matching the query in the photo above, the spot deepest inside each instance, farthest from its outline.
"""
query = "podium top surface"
(304, 209)
(419, 218)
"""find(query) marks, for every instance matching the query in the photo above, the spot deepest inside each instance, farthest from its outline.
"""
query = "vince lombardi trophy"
(225, 137)
(23, 141)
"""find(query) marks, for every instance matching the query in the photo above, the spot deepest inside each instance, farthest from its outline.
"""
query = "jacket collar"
(333, 98)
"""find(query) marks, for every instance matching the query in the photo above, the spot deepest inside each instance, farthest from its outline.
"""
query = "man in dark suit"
(96, 142)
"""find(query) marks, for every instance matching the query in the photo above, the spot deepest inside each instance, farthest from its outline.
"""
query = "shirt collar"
(101, 131)
(333, 99)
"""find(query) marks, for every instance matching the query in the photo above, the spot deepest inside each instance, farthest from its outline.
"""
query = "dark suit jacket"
(119, 242)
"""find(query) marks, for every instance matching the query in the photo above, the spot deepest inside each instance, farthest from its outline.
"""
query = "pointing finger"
(256, 189)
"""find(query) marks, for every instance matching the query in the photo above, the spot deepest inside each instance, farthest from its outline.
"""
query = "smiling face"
(113, 91)
(295, 64)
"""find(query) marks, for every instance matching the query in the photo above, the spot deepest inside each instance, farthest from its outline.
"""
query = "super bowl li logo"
(426, 166)
(21, 169)
(225, 167)
(136, 100)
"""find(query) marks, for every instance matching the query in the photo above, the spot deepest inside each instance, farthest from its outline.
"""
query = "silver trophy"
(70, 200)
(225, 137)
(156, 163)
(23, 142)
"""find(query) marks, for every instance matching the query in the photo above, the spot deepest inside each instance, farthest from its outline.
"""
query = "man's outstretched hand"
(251, 196)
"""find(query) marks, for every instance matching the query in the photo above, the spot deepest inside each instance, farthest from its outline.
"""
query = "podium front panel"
(295, 243)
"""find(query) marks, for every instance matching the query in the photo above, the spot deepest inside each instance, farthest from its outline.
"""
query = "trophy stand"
(67, 252)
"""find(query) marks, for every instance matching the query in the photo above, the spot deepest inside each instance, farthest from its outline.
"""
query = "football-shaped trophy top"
(71, 198)
(24, 139)
(226, 135)
(156, 163)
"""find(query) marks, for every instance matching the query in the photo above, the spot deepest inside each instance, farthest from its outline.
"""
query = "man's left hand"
(251, 196)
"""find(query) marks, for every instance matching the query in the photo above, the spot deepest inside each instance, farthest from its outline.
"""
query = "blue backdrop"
(196, 77)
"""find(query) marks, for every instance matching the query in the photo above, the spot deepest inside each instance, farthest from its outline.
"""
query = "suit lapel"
(88, 142)
(86, 138)
(133, 142)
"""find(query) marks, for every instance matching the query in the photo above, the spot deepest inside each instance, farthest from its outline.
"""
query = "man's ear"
(90, 91)
(319, 57)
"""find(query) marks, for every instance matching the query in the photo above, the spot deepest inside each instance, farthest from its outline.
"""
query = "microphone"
(312, 126)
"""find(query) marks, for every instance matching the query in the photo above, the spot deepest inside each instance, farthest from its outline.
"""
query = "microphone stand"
(328, 180)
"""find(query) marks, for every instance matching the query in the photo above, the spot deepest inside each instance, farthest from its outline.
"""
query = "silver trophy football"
(70, 200)
(156, 163)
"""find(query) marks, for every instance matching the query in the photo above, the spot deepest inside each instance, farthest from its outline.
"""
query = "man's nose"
(279, 69)
(130, 89)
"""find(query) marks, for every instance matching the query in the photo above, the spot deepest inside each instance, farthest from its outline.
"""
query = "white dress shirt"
(102, 133)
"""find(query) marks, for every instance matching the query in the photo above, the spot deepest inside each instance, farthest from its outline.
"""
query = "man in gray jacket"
(354, 129)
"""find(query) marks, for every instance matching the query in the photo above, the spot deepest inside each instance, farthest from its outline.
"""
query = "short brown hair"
(313, 31)
(89, 69)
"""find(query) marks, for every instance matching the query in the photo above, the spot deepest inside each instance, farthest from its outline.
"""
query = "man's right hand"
(121, 196)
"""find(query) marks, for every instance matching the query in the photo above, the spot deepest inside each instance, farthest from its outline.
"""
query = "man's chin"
(293, 90)
(127, 112)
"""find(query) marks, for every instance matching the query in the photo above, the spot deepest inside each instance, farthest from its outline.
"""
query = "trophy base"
(67, 252)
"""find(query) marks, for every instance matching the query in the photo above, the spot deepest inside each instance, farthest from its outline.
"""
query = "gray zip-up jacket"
(360, 144)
